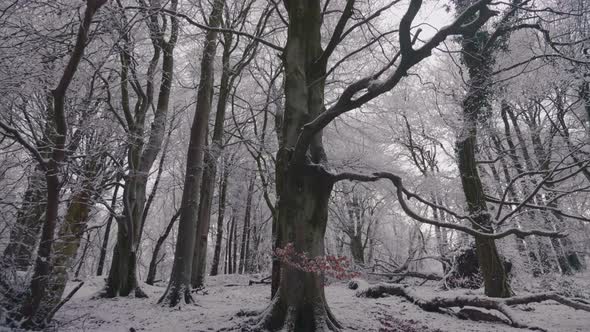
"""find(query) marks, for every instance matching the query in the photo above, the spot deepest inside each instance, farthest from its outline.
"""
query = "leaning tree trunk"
(28, 313)
(66, 246)
(475, 106)
(180, 279)
(151, 277)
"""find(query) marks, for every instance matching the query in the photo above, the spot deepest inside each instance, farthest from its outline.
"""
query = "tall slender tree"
(179, 285)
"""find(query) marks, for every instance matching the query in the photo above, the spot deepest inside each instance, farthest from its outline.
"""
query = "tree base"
(174, 295)
(307, 317)
(109, 293)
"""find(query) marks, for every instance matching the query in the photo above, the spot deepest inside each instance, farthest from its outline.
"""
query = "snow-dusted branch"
(403, 195)
(192, 22)
(408, 57)
(15, 134)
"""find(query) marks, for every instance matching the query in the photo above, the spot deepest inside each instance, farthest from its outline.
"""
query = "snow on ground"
(225, 296)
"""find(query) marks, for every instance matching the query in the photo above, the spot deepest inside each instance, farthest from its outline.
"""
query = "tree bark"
(356, 249)
(220, 219)
(299, 303)
(475, 106)
(180, 279)
(107, 232)
(303, 185)
(67, 244)
(234, 257)
(214, 151)
(246, 228)
(228, 249)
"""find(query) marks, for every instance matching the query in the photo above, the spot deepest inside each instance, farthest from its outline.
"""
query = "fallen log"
(409, 274)
(435, 304)
(262, 281)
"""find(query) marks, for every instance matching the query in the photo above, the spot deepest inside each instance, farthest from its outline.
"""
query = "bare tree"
(180, 280)
(142, 154)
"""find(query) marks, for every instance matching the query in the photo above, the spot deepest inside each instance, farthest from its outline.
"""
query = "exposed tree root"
(437, 303)
(175, 295)
(109, 293)
(140, 294)
(279, 317)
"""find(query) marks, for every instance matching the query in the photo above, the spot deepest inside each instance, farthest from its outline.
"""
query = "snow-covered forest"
(295, 165)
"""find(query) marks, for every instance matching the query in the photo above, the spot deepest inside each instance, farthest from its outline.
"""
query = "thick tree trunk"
(492, 267)
(220, 217)
(476, 107)
(180, 279)
(66, 247)
(299, 303)
(122, 279)
(356, 249)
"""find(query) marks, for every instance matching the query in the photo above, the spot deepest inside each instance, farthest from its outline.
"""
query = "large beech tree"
(304, 184)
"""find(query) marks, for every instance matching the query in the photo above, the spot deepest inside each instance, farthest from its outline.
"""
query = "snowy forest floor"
(226, 296)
